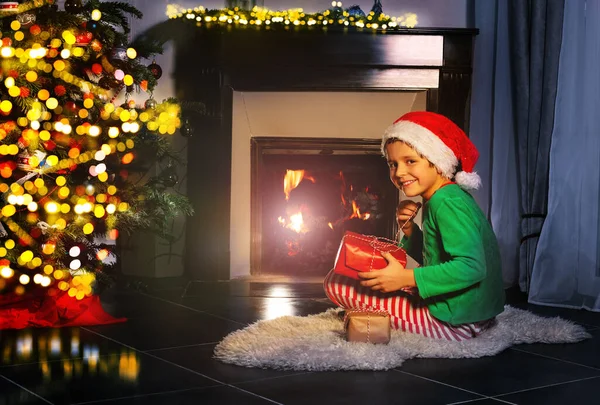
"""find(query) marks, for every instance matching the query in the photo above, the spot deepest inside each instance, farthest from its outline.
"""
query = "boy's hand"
(405, 214)
(393, 277)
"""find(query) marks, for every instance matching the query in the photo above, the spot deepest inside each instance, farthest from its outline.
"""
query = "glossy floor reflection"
(163, 355)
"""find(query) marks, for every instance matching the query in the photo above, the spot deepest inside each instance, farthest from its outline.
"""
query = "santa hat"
(440, 141)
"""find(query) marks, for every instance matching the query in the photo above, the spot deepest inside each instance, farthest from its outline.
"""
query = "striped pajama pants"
(408, 312)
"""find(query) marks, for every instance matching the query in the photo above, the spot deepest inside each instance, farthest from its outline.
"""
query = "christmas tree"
(70, 154)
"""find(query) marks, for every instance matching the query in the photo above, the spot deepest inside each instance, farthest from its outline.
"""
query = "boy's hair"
(394, 140)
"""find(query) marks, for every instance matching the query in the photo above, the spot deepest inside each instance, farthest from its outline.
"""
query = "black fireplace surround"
(212, 63)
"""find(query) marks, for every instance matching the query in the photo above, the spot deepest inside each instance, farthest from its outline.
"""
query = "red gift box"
(359, 252)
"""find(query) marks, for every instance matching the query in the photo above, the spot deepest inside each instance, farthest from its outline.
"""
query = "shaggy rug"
(317, 343)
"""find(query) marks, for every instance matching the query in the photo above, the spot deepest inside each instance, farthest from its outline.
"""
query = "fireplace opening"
(307, 199)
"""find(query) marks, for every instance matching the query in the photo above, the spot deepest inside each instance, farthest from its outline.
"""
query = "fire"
(295, 223)
(357, 214)
(343, 188)
(292, 179)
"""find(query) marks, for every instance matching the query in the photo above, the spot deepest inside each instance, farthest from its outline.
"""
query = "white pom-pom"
(468, 181)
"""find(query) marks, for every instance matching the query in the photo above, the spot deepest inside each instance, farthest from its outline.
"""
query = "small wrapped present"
(367, 326)
(359, 252)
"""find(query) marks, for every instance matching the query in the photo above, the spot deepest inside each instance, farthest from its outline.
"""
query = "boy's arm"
(414, 244)
(461, 239)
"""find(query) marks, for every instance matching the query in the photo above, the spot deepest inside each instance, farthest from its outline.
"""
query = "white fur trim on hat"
(425, 143)
(468, 181)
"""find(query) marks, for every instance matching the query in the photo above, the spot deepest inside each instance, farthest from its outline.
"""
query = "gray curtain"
(535, 28)
(566, 271)
(492, 130)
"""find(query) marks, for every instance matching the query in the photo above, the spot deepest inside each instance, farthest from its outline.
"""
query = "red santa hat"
(440, 141)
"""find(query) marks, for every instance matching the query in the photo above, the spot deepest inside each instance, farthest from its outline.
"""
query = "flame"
(357, 214)
(292, 179)
(343, 187)
(295, 223)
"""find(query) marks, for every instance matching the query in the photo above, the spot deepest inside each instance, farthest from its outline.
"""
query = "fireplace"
(323, 133)
(306, 192)
(259, 85)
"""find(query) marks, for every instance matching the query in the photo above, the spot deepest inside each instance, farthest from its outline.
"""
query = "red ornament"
(60, 90)
(49, 145)
(84, 38)
(155, 69)
(13, 73)
(24, 92)
(6, 41)
(36, 232)
(8, 164)
(97, 68)
(35, 30)
(70, 106)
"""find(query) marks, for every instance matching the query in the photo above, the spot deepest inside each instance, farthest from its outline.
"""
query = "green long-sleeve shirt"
(461, 269)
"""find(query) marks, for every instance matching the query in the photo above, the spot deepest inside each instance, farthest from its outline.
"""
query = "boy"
(459, 286)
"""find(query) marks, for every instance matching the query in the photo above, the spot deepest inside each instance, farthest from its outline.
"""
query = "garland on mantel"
(335, 17)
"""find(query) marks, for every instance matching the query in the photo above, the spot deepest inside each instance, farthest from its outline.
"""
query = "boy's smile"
(411, 173)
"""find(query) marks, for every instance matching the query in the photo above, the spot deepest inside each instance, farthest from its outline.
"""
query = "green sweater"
(461, 270)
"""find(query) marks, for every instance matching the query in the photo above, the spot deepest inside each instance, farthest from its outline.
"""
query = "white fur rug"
(316, 342)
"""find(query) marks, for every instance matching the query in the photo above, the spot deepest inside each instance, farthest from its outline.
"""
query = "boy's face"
(411, 173)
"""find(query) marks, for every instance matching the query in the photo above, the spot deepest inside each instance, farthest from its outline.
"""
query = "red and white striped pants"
(408, 312)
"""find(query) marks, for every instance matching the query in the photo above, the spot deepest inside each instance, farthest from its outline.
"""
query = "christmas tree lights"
(68, 150)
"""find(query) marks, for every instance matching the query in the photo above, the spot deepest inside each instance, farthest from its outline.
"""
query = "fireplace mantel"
(213, 63)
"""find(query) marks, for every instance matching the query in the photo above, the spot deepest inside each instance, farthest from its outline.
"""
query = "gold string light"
(264, 18)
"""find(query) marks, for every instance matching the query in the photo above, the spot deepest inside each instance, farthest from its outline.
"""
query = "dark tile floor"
(163, 355)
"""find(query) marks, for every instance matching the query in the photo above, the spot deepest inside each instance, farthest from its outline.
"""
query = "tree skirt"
(43, 310)
(316, 342)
